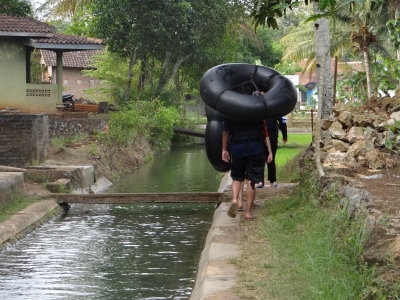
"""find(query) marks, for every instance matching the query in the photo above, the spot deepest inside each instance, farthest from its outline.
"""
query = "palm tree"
(63, 8)
(348, 28)
(368, 24)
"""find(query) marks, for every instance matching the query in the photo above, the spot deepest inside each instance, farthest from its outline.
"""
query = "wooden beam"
(189, 132)
(126, 198)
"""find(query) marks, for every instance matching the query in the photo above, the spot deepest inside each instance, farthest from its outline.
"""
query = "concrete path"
(216, 274)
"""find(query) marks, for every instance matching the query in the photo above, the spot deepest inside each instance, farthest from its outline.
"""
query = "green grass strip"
(299, 248)
(14, 206)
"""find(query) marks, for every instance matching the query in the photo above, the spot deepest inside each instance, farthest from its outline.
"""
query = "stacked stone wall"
(24, 139)
(72, 124)
(367, 136)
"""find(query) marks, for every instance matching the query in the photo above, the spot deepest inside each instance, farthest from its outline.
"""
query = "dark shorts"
(248, 167)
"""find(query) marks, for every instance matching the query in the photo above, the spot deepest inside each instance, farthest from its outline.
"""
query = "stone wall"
(71, 124)
(24, 139)
(364, 136)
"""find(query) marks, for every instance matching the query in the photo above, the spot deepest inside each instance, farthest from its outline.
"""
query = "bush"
(151, 120)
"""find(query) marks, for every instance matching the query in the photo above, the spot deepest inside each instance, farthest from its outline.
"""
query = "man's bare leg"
(236, 199)
(250, 195)
(240, 199)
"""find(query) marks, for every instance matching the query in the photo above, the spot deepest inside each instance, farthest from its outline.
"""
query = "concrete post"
(59, 79)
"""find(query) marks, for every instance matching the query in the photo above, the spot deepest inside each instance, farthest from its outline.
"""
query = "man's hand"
(284, 140)
(225, 156)
(269, 158)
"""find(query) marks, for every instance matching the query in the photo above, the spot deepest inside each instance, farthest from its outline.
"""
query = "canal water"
(138, 251)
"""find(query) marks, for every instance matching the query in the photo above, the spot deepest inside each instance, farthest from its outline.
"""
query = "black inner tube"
(229, 92)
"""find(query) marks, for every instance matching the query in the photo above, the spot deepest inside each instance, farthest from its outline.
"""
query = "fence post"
(312, 123)
(290, 121)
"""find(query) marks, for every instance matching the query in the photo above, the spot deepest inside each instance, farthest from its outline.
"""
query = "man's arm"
(268, 143)
(283, 128)
(225, 153)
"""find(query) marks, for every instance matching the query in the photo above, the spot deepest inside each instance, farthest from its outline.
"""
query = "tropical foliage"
(19, 8)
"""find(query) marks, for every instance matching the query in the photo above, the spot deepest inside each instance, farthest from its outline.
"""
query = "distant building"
(308, 80)
(20, 41)
(74, 82)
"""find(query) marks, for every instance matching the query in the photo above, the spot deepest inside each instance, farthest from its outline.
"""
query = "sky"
(35, 5)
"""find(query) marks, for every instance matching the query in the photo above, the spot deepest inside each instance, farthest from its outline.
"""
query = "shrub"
(149, 119)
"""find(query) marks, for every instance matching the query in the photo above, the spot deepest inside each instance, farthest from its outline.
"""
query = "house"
(20, 41)
(309, 80)
(74, 62)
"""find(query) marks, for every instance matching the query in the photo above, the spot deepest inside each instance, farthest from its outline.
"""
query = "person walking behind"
(273, 127)
(247, 157)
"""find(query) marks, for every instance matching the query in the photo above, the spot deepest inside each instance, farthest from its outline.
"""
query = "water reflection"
(184, 169)
(141, 251)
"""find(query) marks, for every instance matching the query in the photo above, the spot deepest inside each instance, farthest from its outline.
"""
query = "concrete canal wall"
(11, 185)
(216, 273)
(27, 219)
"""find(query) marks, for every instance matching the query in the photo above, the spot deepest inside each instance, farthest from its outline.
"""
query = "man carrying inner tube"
(247, 157)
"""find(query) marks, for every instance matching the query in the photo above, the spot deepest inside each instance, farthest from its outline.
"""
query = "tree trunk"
(164, 69)
(325, 82)
(127, 93)
(143, 72)
(323, 58)
(396, 17)
(367, 72)
(178, 63)
(168, 75)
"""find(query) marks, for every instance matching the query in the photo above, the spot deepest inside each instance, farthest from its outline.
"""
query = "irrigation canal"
(120, 251)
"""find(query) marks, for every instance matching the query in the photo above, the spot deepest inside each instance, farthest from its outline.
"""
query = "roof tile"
(72, 59)
(27, 24)
(60, 38)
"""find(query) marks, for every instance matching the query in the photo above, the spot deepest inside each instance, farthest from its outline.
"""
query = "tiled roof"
(73, 59)
(12, 24)
(43, 36)
(59, 38)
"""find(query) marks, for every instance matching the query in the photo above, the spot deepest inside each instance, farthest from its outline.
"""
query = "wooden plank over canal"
(190, 132)
(127, 198)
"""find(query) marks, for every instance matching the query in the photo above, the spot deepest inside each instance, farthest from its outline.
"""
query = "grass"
(285, 158)
(61, 143)
(299, 248)
(14, 206)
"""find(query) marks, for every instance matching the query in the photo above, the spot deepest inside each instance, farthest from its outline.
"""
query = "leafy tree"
(172, 32)
(266, 12)
(260, 45)
(20, 8)
(112, 70)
